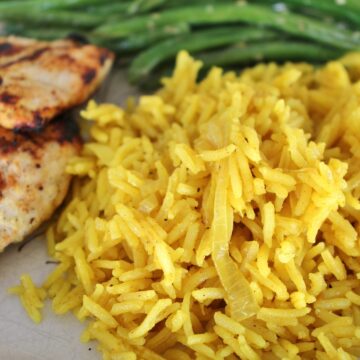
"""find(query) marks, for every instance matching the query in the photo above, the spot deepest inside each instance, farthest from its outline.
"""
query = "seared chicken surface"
(39, 80)
(33, 182)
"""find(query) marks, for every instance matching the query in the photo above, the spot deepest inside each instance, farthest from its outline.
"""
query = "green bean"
(147, 60)
(50, 34)
(13, 28)
(47, 4)
(237, 56)
(119, 9)
(139, 41)
(351, 4)
(272, 50)
(294, 24)
(183, 3)
(143, 6)
(58, 11)
(126, 8)
(58, 17)
(325, 7)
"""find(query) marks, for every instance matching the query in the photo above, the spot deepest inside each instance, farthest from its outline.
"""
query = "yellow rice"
(217, 219)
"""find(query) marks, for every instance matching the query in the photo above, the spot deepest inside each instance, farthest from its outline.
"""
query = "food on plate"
(33, 181)
(39, 79)
(216, 219)
(269, 48)
(149, 33)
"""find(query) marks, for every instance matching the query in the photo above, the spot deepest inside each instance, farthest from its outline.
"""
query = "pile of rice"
(217, 219)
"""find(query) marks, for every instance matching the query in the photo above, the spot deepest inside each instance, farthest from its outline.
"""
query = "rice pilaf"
(217, 219)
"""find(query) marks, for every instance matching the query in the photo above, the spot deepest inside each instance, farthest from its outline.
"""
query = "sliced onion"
(240, 297)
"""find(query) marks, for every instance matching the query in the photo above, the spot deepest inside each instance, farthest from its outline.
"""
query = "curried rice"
(217, 219)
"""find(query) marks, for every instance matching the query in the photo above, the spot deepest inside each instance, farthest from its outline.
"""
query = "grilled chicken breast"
(39, 80)
(33, 182)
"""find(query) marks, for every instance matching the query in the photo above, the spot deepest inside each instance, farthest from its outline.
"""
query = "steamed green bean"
(290, 23)
(146, 61)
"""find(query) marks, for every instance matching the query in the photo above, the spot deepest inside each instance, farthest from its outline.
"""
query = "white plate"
(57, 337)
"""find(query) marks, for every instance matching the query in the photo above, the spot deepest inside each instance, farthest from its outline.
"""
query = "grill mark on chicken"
(6, 48)
(33, 182)
(36, 126)
(103, 56)
(33, 56)
(89, 75)
(38, 81)
(60, 130)
(47, 78)
(7, 145)
(2, 185)
(8, 98)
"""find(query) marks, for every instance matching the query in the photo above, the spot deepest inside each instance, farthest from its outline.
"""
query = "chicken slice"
(39, 80)
(33, 182)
